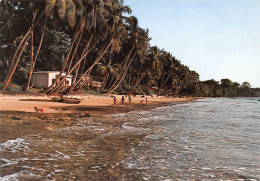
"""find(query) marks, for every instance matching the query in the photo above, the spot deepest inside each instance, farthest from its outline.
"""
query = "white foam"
(12, 142)
(23, 175)
(7, 163)
(131, 165)
(14, 145)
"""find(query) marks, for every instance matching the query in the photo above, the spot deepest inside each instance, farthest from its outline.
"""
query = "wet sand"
(19, 118)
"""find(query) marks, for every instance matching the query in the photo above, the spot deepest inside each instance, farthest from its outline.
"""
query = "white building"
(44, 79)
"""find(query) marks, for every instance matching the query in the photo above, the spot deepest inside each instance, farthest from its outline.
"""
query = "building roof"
(42, 72)
(46, 72)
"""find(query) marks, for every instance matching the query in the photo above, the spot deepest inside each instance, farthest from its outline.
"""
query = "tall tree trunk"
(31, 66)
(111, 81)
(138, 82)
(10, 74)
(75, 50)
(90, 68)
(82, 67)
(82, 57)
(125, 72)
(17, 61)
(76, 74)
(105, 80)
(36, 55)
(58, 86)
(48, 90)
(165, 81)
(138, 76)
(124, 65)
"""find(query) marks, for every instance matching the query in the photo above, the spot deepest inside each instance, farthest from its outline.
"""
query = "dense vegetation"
(94, 37)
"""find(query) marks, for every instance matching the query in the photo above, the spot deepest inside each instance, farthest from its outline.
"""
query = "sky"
(216, 38)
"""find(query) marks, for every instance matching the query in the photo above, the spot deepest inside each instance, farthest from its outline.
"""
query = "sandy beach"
(18, 116)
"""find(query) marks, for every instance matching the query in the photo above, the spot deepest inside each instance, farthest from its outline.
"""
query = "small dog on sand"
(38, 110)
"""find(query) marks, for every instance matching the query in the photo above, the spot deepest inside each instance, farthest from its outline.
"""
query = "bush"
(12, 87)
(16, 88)
(88, 92)
(114, 92)
(104, 91)
(122, 92)
(97, 92)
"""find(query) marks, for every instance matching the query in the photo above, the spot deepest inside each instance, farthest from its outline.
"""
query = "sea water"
(206, 139)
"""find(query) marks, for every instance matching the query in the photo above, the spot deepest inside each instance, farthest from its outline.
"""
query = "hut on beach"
(44, 79)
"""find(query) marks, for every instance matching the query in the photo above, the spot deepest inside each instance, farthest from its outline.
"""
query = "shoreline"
(18, 118)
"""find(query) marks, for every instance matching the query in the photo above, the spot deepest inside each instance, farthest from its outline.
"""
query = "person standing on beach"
(129, 99)
(115, 101)
(123, 100)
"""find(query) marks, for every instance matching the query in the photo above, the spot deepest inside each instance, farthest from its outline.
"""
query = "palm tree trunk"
(165, 81)
(125, 72)
(105, 80)
(64, 78)
(82, 67)
(35, 58)
(75, 50)
(90, 68)
(10, 74)
(17, 61)
(48, 90)
(125, 63)
(76, 74)
(31, 67)
(111, 81)
(39, 48)
(138, 76)
(139, 81)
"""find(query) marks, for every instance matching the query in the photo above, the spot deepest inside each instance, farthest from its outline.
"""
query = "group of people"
(129, 100)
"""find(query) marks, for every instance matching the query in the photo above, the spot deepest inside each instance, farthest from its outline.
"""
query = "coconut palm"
(19, 51)
(114, 34)
(108, 70)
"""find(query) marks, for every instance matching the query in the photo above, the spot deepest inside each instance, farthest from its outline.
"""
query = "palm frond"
(61, 7)
(50, 4)
(71, 12)
(125, 9)
(79, 7)
(82, 22)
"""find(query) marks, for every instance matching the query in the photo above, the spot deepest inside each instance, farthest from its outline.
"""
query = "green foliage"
(97, 92)
(103, 91)
(12, 87)
(226, 88)
(115, 92)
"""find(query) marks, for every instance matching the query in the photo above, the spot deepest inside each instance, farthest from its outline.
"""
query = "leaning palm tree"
(19, 51)
(108, 70)
(36, 13)
(94, 22)
(72, 12)
(111, 36)
(132, 28)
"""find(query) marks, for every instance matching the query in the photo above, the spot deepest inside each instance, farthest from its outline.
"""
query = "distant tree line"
(94, 37)
(226, 88)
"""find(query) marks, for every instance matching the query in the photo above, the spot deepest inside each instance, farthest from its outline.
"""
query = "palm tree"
(34, 57)
(73, 12)
(113, 36)
(19, 51)
(108, 70)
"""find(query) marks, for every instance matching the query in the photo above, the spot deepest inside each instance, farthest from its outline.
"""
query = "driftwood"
(69, 101)
(62, 100)
(39, 100)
